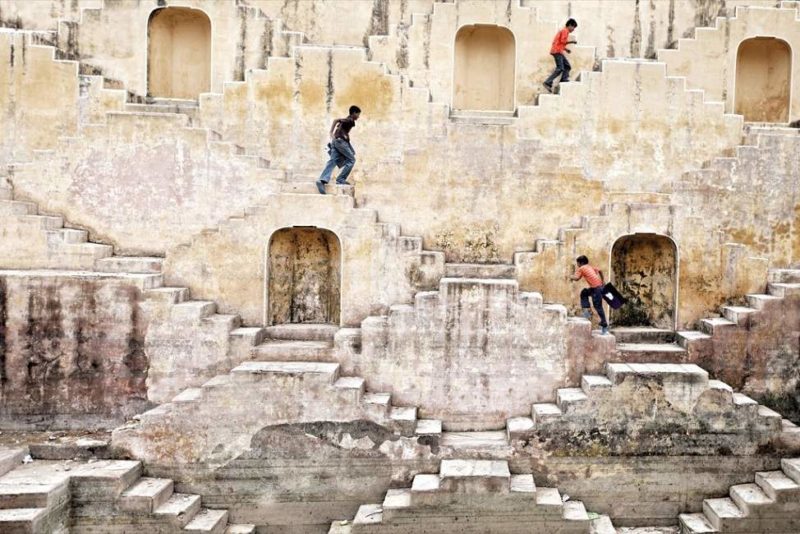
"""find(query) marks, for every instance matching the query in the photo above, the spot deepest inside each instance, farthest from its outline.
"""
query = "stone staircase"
(685, 387)
(771, 505)
(470, 496)
(44, 497)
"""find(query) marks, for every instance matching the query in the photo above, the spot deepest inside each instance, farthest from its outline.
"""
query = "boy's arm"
(333, 127)
(577, 276)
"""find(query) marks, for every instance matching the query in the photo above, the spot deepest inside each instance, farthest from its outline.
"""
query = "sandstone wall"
(709, 62)
(72, 349)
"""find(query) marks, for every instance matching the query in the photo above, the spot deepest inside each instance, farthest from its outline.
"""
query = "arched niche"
(763, 80)
(304, 266)
(485, 62)
(644, 269)
(178, 53)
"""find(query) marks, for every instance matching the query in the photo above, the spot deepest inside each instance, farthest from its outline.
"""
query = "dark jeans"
(562, 67)
(342, 155)
(596, 293)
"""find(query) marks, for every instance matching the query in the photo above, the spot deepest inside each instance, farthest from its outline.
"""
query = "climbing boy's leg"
(325, 177)
(597, 300)
(585, 306)
(348, 159)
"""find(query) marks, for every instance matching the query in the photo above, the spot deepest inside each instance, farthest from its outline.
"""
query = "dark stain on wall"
(3, 317)
(72, 352)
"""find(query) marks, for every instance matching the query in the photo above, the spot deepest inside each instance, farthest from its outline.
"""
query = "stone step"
(784, 290)
(146, 495)
(168, 295)
(777, 486)
(519, 428)
(290, 351)
(722, 513)
(474, 476)
(485, 440)
(651, 352)
(310, 188)
(642, 334)
(544, 412)
(179, 509)
(783, 276)
(715, 325)
(749, 498)
(428, 427)
(10, 459)
(132, 264)
(575, 511)
(104, 479)
(207, 521)
(71, 448)
(240, 529)
(328, 372)
(193, 310)
(739, 315)
(568, 399)
(792, 468)
(73, 236)
(22, 520)
(302, 332)
(688, 372)
(759, 301)
(18, 207)
(33, 487)
(593, 383)
(687, 337)
(695, 524)
(479, 270)
(368, 514)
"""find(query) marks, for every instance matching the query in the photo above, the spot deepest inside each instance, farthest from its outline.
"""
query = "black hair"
(582, 260)
(354, 109)
(573, 23)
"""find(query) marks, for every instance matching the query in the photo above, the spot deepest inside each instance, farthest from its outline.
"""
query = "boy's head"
(582, 260)
(355, 112)
(571, 25)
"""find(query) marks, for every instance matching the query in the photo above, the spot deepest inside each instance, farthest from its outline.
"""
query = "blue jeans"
(562, 67)
(596, 293)
(342, 155)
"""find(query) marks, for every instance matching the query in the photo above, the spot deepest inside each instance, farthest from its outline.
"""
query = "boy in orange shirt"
(594, 277)
(560, 42)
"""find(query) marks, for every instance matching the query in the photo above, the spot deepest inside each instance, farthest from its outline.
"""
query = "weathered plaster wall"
(473, 353)
(709, 62)
(71, 349)
(380, 268)
(38, 97)
(145, 182)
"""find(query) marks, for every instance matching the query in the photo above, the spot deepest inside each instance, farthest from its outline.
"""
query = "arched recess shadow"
(644, 268)
(485, 62)
(304, 276)
(763, 80)
(178, 53)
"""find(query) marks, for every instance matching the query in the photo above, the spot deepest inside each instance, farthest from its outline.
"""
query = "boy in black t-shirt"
(340, 150)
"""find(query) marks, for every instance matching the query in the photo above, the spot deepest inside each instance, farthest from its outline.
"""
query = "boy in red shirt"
(594, 277)
(560, 42)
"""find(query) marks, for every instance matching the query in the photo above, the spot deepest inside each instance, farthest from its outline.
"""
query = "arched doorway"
(304, 265)
(644, 269)
(763, 80)
(485, 59)
(178, 53)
